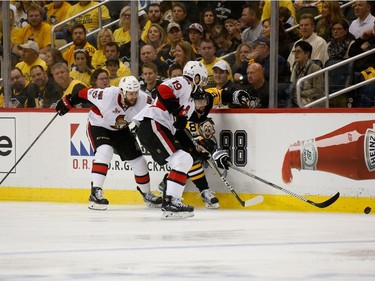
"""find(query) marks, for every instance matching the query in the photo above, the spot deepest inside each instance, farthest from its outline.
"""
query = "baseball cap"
(222, 64)
(261, 41)
(196, 26)
(171, 25)
(112, 59)
(29, 45)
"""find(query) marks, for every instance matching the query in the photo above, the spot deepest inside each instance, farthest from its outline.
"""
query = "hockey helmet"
(129, 84)
(197, 72)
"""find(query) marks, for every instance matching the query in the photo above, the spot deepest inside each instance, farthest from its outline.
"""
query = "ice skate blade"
(97, 207)
(151, 205)
(167, 215)
(212, 206)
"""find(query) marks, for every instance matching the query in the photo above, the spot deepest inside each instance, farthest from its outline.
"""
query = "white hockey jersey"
(108, 112)
(177, 87)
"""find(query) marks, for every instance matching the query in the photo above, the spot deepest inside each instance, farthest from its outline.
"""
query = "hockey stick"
(253, 201)
(27, 150)
(324, 204)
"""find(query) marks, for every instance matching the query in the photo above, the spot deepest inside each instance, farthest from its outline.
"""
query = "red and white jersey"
(175, 88)
(108, 111)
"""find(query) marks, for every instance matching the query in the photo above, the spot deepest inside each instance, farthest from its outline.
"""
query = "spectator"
(122, 34)
(44, 92)
(19, 86)
(148, 54)
(14, 33)
(150, 79)
(209, 59)
(53, 56)
(99, 79)
(113, 65)
(83, 69)
(104, 36)
(79, 42)
(166, 54)
(258, 89)
(39, 31)
(155, 16)
(175, 70)
(156, 37)
(208, 21)
(364, 21)
(20, 15)
(331, 12)
(319, 45)
(222, 40)
(111, 49)
(241, 61)
(179, 16)
(56, 12)
(29, 58)
(223, 9)
(90, 19)
(234, 29)
(196, 34)
(250, 21)
(183, 53)
(342, 39)
(311, 89)
(266, 11)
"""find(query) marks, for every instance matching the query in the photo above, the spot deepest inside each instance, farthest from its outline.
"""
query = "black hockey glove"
(64, 105)
(180, 118)
(241, 97)
(221, 159)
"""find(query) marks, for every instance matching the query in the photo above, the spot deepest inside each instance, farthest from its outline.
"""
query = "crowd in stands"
(230, 38)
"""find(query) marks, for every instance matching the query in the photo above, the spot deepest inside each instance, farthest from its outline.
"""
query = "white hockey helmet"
(197, 72)
(129, 84)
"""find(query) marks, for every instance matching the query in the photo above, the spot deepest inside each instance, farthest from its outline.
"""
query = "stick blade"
(328, 202)
(254, 201)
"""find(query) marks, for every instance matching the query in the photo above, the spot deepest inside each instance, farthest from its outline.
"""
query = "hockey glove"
(221, 159)
(180, 118)
(241, 97)
(64, 105)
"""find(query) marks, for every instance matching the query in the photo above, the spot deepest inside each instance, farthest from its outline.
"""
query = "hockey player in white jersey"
(108, 131)
(170, 111)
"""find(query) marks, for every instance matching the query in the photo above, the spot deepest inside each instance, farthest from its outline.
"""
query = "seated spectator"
(56, 12)
(79, 42)
(156, 37)
(20, 85)
(155, 16)
(113, 65)
(99, 79)
(319, 45)
(44, 92)
(239, 67)
(183, 53)
(208, 50)
(53, 56)
(175, 70)
(208, 21)
(234, 30)
(179, 16)
(111, 50)
(331, 12)
(83, 69)
(342, 39)
(36, 29)
(148, 54)
(122, 34)
(251, 22)
(365, 19)
(311, 89)
(174, 34)
(150, 81)
(20, 15)
(29, 58)
(222, 10)
(196, 33)
(104, 36)
(223, 43)
(266, 12)
(90, 19)
(258, 86)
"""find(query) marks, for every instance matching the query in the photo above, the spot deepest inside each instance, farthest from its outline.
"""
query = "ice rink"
(55, 241)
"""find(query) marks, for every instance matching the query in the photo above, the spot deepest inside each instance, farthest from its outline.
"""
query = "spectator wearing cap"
(207, 50)
(83, 69)
(148, 54)
(111, 49)
(196, 34)
(113, 65)
(39, 31)
(179, 15)
(174, 34)
(29, 58)
(250, 22)
(261, 54)
(155, 16)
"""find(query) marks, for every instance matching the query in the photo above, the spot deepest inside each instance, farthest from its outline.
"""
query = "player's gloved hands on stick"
(64, 105)
(221, 158)
(180, 117)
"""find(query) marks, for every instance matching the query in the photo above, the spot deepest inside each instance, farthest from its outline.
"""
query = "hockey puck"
(367, 210)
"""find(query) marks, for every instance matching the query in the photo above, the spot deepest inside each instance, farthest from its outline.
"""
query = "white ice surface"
(54, 241)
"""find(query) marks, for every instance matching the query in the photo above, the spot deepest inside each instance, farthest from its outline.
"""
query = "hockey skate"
(150, 199)
(163, 185)
(96, 199)
(173, 208)
(210, 201)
